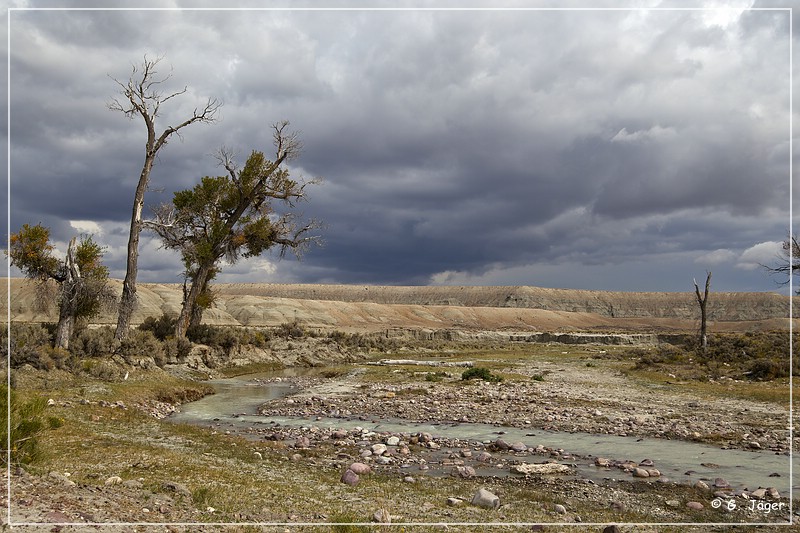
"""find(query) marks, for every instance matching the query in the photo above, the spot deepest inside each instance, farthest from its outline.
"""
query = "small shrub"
(291, 329)
(102, 369)
(141, 343)
(30, 344)
(767, 369)
(28, 422)
(162, 327)
(538, 377)
(436, 376)
(480, 372)
(97, 342)
(214, 336)
(177, 349)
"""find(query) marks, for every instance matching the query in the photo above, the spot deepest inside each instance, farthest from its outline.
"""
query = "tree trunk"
(703, 300)
(187, 316)
(127, 303)
(69, 299)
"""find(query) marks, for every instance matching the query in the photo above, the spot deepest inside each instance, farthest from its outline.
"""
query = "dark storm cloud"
(482, 147)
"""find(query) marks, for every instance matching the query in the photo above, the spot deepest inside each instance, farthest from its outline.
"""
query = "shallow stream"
(234, 407)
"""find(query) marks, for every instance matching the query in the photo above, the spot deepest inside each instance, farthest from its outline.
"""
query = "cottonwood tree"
(702, 300)
(231, 217)
(788, 261)
(81, 277)
(142, 96)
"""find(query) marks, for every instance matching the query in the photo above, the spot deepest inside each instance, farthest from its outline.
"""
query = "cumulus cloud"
(716, 257)
(763, 253)
(453, 144)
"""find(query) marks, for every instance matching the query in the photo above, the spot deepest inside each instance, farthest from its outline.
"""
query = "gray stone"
(485, 499)
(393, 441)
(720, 483)
(349, 478)
(360, 468)
(454, 502)
(611, 529)
(640, 472)
(465, 472)
(177, 488)
(560, 509)
(382, 516)
(501, 445)
(484, 457)
(540, 469)
(378, 449)
(647, 462)
(602, 461)
(702, 485)
(758, 494)
(518, 447)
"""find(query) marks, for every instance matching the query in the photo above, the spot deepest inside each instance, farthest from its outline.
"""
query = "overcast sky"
(612, 150)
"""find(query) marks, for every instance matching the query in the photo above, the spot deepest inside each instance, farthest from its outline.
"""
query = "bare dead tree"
(142, 96)
(702, 301)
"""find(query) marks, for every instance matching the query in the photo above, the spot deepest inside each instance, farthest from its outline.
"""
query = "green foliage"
(226, 337)
(162, 327)
(436, 376)
(92, 342)
(30, 344)
(30, 251)
(142, 343)
(754, 355)
(229, 217)
(480, 372)
(291, 330)
(28, 421)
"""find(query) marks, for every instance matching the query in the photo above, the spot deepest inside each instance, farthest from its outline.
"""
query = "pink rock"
(349, 478)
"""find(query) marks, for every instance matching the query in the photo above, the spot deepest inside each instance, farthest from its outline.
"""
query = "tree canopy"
(238, 215)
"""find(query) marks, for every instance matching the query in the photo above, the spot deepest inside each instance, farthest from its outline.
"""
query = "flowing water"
(235, 404)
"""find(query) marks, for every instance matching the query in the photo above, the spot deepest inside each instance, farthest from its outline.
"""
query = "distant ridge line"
(732, 306)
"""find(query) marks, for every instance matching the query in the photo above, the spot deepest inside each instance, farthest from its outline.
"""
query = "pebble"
(640, 472)
(382, 516)
(465, 472)
(560, 509)
(378, 449)
(360, 468)
(518, 447)
(113, 480)
(485, 499)
(618, 506)
(393, 441)
(454, 502)
(697, 506)
(350, 478)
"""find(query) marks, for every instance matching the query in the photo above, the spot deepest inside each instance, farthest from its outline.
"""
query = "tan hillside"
(373, 308)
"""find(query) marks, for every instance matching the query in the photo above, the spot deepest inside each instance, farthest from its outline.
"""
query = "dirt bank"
(370, 308)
